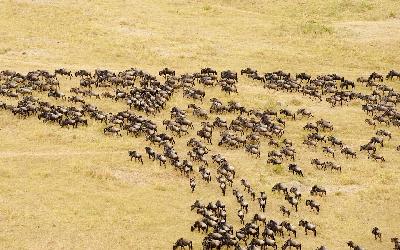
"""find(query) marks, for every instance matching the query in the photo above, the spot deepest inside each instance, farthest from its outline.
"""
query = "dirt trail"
(10, 154)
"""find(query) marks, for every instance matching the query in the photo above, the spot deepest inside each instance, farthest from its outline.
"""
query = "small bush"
(278, 169)
(315, 28)
(4, 51)
(160, 188)
(392, 14)
(207, 8)
(262, 179)
(296, 102)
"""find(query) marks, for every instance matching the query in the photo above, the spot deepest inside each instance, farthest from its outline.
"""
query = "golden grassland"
(77, 189)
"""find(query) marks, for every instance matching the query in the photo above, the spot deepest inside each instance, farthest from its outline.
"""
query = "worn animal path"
(9, 154)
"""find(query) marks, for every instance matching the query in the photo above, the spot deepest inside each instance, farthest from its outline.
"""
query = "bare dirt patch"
(129, 177)
(370, 31)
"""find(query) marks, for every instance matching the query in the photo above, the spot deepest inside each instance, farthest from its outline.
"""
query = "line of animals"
(148, 96)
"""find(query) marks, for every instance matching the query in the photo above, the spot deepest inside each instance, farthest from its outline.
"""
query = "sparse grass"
(71, 189)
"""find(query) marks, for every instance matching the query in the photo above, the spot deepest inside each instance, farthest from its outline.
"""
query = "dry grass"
(77, 188)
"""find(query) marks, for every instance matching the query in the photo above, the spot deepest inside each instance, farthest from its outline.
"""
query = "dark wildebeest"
(377, 233)
(166, 71)
(375, 76)
(136, 155)
(354, 246)
(308, 226)
(63, 72)
(392, 74)
(291, 243)
(303, 76)
(183, 243)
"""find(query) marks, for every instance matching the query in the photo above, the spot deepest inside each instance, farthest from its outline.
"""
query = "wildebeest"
(346, 84)
(280, 187)
(370, 122)
(248, 71)
(348, 152)
(151, 153)
(377, 233)
(166, 71)
(295, 169)
(317, 190)
(112, 130)
(318, 163)
(257, 77)
(375, 140)
(209, 71)
(329, 150)
(354, 246)
(83, 73)
(150, 96)
(375, 76)
(332, 166)
(291, 243)
(313, 205)
(308, 226)
(56, 94)
(292, 201)
(253, 150)
(288, 113)
(192, 183)
(228, 74)
(324, 124)
(303, 76)
(386, 133)
(376, 157)
(162, 159)
(68, 122)
(310, 126)
(199, 225)
(136, 155)
(63, 72)
(368, 147)
(284, 211)
(396, 242)
(183, 243)
(290, 228)
(393, 73)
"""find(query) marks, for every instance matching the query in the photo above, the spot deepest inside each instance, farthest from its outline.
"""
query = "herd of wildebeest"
(146, 95)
